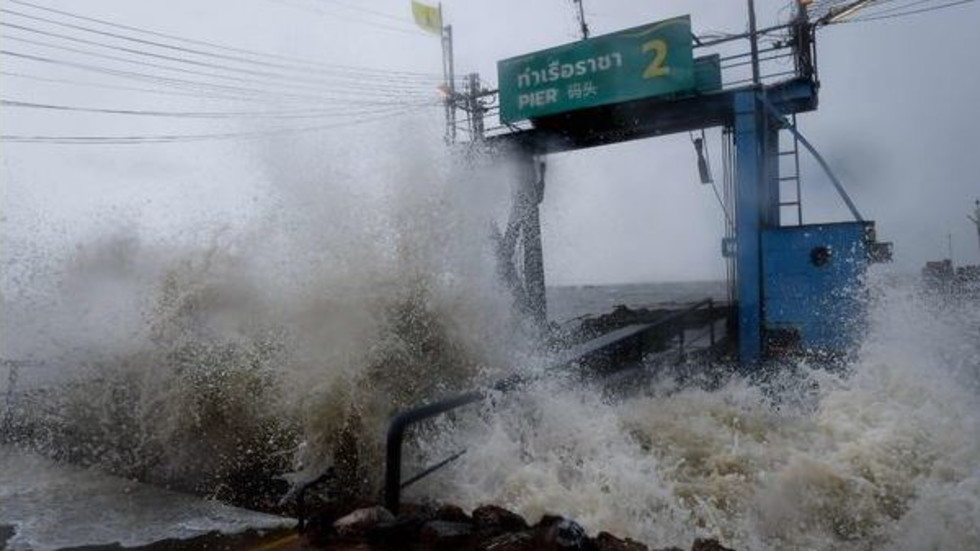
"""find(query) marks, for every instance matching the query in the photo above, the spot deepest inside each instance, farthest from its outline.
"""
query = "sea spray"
(213, 361)
(234, 356)
(882, 455)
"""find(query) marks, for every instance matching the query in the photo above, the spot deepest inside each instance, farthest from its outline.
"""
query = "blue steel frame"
(756, 208)
(756, 124)
(819, 300)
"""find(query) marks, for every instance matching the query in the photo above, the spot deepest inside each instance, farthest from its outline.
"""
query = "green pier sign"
(641, 62)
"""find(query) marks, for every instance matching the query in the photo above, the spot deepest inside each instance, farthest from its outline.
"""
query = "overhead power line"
(311, 9)
(180, 138)
(341, 111)
(854, 11)
(876, 17)
(296, 61)
(229, 91)
(224, 91)
(873, 11)
(267, 79)
(272, 91)
(164, 92)
(333, 75)
(362, 9)
(835, 11)
(275, 85)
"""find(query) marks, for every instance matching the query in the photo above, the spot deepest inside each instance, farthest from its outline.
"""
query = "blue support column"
(773, 212)
(752, 200)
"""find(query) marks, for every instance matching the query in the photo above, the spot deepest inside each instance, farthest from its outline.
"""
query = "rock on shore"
(449, 528)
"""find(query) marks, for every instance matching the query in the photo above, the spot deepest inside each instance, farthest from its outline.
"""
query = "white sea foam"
(884, 456)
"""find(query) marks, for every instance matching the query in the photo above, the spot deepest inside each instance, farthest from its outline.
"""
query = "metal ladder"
(797, 201)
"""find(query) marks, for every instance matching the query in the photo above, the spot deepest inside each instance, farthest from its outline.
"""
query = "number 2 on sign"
(656, 67)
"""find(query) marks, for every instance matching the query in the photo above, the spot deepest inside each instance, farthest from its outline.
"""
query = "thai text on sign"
(645, 61)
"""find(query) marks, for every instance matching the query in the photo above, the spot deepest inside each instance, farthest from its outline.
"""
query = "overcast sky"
(898, 118)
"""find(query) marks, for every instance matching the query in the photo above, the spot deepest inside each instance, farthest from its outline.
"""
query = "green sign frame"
(650, 60)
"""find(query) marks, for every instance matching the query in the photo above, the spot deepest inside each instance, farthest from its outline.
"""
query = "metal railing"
(402, 421)
(796, 42)
(790, 53)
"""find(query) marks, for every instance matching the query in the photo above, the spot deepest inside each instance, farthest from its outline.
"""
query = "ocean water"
(212, 360)
(567, 303)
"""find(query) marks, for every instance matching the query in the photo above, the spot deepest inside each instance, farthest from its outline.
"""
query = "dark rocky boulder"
(448, 528)
(492, 521)
(357, 524)
(708, 545)
(561, 534)
(511, 541)
(441, 535)
(400, 533)
(451, 513)
(608, 542)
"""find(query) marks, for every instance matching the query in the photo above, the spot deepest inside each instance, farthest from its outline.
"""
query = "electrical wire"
(341, 111)
(345, 89)
(825, 12)
(181, 138)
(236, 92)
(83, 83)
(144, 53)
(870, 11)
(341, 85)
(707, 160)
(381, 26)
(369, 11)
(295, 61)
(823, 9)
(910, 12)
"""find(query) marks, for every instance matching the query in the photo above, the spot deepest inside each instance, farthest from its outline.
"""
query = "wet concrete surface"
(47, 506)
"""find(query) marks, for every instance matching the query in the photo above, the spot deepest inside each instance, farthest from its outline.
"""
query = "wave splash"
(285, 345)
(218, 362)
(883, 456)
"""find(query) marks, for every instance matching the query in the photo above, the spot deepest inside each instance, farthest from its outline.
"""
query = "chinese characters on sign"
(641, 62)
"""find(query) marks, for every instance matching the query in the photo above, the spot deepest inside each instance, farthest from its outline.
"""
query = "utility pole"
(581, 19)
(449, 76)
(475, 106)
(802, 33)
(754, 43)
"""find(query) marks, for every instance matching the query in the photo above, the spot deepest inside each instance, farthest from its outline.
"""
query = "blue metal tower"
(798, 287)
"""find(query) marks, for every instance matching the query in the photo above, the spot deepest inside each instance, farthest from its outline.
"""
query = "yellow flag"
(427, 17)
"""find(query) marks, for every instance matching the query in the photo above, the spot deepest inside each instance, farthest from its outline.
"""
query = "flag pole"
(449, 76)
